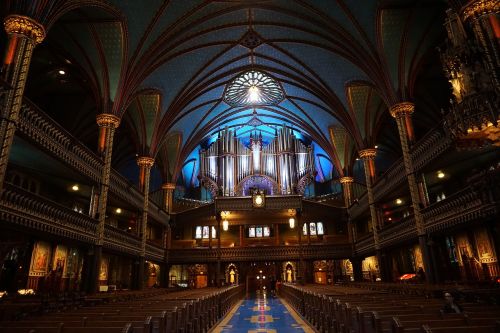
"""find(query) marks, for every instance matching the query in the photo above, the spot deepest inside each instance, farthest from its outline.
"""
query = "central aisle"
(262, 313)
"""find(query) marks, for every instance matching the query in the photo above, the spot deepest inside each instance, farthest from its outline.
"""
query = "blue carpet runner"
(261, 313)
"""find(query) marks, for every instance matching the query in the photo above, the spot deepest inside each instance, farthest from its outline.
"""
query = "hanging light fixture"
(225, 225)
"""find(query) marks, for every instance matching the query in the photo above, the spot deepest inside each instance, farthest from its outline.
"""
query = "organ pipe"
(285, 160)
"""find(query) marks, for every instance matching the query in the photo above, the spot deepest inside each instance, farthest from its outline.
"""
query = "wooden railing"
(38, 127)
(260, 253)
(424, 151)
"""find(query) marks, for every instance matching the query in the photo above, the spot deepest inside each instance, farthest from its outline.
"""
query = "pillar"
(402, 113)
(168, 199)
(23, 35)
(300, 264)
(107, 125)
(145, 163)
(218, 276)
(276, 234)
(347, 190)
(242, 235)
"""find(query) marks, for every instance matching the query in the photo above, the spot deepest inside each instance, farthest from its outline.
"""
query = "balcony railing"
(424, 151)
(55, 140)
(270, 253)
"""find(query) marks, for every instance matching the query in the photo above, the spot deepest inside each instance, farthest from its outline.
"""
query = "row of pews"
(188, 311)
(345, 309)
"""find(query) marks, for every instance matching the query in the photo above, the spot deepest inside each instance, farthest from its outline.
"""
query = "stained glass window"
(214, 232)
(253, 88)
(319, 228)
(251, 232)
(258, 232)
(304, 229)
(267, 232)
(205, 232)
(198, 233)
(312, 227)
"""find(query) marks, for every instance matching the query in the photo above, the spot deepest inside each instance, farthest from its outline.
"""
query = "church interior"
(249, 166)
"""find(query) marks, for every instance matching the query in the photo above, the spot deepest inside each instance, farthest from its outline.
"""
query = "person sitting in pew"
(450, 305)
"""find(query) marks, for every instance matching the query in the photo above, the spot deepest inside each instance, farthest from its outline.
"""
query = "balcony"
(270, 253)
(40, 129)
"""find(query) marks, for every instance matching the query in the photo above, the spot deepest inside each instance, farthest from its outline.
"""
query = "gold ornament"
(369, 153)
(480, 7)
(402, 109)
(107, 120)
(23, 25)
(145, 161)
(345, 180)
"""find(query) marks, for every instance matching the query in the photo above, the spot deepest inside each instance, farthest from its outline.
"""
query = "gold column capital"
(145, 161)
(345, 180)
(26, 26)
(368, 154)
(480, 7)
(168, 186)
(107, 120)
(402, 109)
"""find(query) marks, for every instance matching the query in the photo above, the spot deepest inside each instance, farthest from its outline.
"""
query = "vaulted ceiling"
(163, 67)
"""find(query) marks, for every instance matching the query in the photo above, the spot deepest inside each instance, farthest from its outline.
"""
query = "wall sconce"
(225, 225)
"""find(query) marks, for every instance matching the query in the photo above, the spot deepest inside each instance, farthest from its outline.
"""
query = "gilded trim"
(480, 7)
(26, 26)
(145, 161)
(107, 120)
(369, 153)
(401, 109)
(168, 186)
(345, 180)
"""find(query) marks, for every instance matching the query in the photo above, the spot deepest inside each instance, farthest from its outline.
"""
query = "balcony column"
(347, 190)
(301, 267)
(402, 113)
(168, 199)
(107, 125)
(276, 234)
(218, 276)
(23, 35)
(368, 157)
(242, 235)
(145, 163)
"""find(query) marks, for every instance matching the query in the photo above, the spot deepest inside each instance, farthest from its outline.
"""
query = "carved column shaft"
(145, 163)
(347, 189)
(368, 157)
(107, 123)
(24, 34)
(401, 113)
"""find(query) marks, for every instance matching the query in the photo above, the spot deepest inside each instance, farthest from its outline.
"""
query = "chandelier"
(253, 88)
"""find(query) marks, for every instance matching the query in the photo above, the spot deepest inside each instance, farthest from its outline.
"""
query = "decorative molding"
(368, 154)
(26, 26)
(168, 186)
(345, 180)
(107, 120)
(480, 7)
(146, 161)
(402, 109)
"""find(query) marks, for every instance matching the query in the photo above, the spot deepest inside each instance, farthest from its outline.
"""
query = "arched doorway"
(232, 276)
(289, 272)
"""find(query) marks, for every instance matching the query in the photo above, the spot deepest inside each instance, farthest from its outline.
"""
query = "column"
(145, 163)
(276, 234)
(107, 125)
(23, 35)
(242, 235)
(402, 113)
(218, 277)
(168, 199)
(347, 190)
(300, 268)
(368, 157)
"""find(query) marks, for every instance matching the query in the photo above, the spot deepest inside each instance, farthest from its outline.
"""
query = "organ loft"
(249, 166)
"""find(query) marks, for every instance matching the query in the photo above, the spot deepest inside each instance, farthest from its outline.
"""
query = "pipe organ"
(228, 167)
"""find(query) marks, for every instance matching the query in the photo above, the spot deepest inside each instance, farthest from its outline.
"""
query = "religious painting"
(60, 259)
(103, 270)
(258, 231)
(463, 246)
(484, 249)
(251, 232)
(419, 262)
(40, 259)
